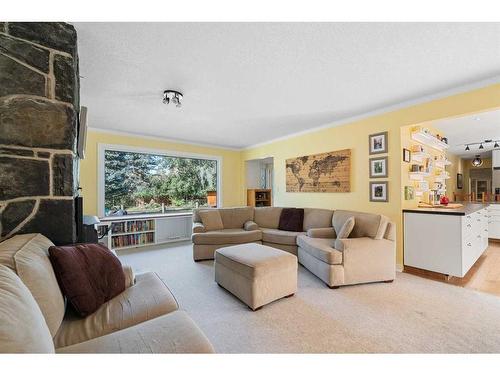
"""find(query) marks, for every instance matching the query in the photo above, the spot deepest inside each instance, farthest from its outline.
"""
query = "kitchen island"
(447, 241)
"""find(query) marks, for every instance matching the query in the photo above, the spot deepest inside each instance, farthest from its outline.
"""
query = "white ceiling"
(247, 83)
(471, 129)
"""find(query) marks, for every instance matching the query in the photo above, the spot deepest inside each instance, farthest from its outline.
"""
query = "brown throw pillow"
(211, 220)
(88, 275)
(291, 219)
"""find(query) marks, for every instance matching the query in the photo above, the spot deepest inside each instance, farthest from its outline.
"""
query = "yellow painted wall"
(232, 193)
(354, 135)
(453, 169)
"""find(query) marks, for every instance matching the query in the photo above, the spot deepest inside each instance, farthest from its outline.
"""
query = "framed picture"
(378, 143)
(409, 193)
(378, 167)
(460, 181)
(379, 192)
(406, 155)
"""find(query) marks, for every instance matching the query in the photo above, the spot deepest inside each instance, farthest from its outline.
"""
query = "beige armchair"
(368, 255)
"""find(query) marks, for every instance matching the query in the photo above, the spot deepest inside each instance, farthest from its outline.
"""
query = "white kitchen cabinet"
(448, 243)
(494, 221)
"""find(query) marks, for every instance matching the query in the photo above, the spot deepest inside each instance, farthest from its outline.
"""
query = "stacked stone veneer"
(39, 104)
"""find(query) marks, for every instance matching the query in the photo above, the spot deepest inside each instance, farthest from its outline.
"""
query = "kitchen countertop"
(468, 208)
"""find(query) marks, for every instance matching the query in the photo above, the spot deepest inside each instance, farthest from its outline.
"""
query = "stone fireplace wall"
(39, 106)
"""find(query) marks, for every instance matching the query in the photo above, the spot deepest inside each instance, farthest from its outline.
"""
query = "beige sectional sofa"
(145, 318)
(368, 255)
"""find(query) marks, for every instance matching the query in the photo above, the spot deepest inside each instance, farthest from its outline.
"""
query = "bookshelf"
(125, 233)
(259, 197)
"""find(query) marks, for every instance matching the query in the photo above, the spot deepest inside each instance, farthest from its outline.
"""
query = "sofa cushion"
(236, 217)
(322, 232)
(148, 298)
(211, 220)
(254, 260)
(292, 219)
(320, 248)
(27, 255)
(347, 228)
(226, 236)
(172, 333)
(88, 274)
(367, 224)
(279, 236)
(267, 217)
(317, 218)
(22, 325)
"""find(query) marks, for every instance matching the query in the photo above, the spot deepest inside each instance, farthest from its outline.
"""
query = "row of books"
(132, 239)
(133, 226)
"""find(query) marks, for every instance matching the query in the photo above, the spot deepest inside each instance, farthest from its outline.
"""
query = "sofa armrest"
(198, 227)
(321, 232)
(250, 225)
(367, 259)
(129, 275)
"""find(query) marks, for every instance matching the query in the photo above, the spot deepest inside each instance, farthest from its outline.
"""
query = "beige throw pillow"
(211, 220)
(347, 228)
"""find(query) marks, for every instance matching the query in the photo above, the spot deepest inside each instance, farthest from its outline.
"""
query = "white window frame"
(103, 147)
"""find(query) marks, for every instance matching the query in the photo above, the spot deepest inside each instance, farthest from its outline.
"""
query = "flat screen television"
(82, 132)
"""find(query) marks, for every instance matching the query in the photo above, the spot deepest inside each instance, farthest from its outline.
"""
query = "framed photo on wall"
(378, 143)
(460, 181)
(406, 155)
(379, 192)
(378, 167)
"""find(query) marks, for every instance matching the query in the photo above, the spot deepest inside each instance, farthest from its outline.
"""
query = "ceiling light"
(467, 148)
(477, 161)
(481, 146)
(496, 145)
(172, 96)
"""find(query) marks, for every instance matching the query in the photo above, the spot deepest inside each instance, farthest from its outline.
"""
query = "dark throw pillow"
(88, 275)
(291, 219)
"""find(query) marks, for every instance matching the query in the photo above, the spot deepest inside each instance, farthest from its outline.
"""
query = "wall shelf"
(147, 230)
(419, 156)
(429, 140)
(418, 175)
(442, 163)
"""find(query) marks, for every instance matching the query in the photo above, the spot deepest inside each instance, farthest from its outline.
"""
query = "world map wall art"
(329, 172)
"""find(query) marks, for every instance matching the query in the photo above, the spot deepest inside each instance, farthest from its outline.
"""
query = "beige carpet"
(411, 315)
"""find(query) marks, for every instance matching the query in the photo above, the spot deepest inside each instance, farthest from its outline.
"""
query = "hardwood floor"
(484, 276)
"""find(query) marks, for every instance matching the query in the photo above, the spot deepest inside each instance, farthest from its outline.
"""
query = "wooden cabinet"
(259, 197)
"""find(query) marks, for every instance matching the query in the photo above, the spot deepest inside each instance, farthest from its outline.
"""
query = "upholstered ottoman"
(256, 274)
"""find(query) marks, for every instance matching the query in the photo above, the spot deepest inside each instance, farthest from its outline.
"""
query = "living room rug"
(410, 315)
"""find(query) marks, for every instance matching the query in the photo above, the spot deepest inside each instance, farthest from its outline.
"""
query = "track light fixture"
(481, 146)
(172, 96)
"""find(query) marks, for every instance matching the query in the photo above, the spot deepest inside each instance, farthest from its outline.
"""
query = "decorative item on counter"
(444, 200)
